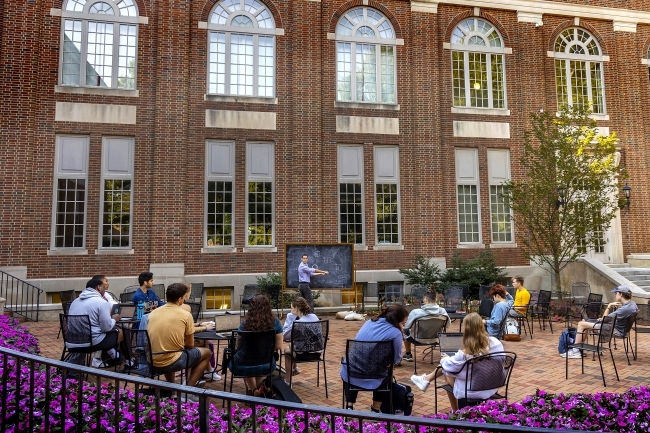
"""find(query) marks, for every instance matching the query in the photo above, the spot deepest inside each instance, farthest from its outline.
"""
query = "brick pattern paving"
(538, 366)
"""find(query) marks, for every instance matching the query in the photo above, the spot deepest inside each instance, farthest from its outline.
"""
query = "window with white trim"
(478, 65)
(220, 202)
(241, 43)
(579, 70)
(387, 203)
(350, 173)
(467, 190)
(99, 43)
(117, 192)
(259, 197)
(500, 214)
(365, 57)
(70, 190)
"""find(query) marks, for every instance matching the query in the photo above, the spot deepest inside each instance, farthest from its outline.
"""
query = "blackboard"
(337, 259)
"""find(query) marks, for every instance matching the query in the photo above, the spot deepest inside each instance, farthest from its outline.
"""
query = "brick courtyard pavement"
(538, 365)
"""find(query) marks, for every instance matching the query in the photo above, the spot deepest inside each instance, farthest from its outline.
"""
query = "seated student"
(626, 307)
(502, 303)
(522, 297)
(259, 317)
(428, 308)
(144, 293)
(300, 311)
(476, 342)
(171, 329)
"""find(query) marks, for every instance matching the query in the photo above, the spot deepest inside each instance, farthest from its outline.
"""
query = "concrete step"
(638, 277)
(633, 271)
(617, 265)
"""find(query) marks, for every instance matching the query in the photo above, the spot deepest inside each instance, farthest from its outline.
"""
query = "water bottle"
(140, 310)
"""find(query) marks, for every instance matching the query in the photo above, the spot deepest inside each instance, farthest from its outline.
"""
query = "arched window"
(478, 65)
(365, 57)
(100, 41)
(241, 40)
(579, 70)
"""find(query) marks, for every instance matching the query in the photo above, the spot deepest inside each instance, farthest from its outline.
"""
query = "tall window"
(499, 172)
(117, 192)
(387, 195)
(478, 65)
(219, 209)
(365, 57)
(241, 40)
(259, 197)
(579, 70)
(350, 171)
(70, 188)
(467, 184)
(99, 42)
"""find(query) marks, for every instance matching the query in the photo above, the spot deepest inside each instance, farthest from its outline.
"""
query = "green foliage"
(481, 270)
(270, 279)
(424, 273)
(564, 154)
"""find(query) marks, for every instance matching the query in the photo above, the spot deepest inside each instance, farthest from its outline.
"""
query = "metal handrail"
(22, 299)
(26, 391)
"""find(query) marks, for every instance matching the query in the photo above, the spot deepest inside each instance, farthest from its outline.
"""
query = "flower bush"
(626, 412)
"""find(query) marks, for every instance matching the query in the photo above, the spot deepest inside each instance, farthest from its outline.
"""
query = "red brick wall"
(170, 134)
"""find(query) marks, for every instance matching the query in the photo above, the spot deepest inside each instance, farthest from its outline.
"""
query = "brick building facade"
(198, 138)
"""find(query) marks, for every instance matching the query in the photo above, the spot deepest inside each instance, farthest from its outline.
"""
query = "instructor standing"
(304, 278)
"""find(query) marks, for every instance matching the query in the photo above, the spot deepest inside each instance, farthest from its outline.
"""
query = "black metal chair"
(196, 310)
(482, 373)
(642, 316)
(454, 297)
(417, 294)
(196, 294)
(580, 293)
(522, 318)
(627, 341)
(159, 290)
(126, 297)
(67, 296)
(77, 336)
(594, 306)
(248, 349)
(66, 309)
(485, 307)
(250, 290)
(483, 292)
(542, 310)
(425, 332)
(308, 344)
(368, 360)
(602, 343)
(511, 291)
(393, 294)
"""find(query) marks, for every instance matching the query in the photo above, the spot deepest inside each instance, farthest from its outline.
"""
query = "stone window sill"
(471, 246)
(111, 252)
(481, 111)
(366, 106)
(260, 250)
(68, 252)
(388, 247)
(503, 245)
(241, 99)
(218, 250)
(78, 90)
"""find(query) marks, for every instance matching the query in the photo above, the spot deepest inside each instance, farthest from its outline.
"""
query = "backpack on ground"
(282, 391)
(402, 399)
(512, 331)
(568, 336)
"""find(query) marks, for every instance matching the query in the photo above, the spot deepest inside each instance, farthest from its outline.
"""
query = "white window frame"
(64, 169)
(377, 42)
(124, 173)
(258, 172)
(498, 173)
(467, 173)
(566, 58)
(228, 30)
(218, 169)
(85, 17)
(489, 51)
(345, 153)
(387, 173)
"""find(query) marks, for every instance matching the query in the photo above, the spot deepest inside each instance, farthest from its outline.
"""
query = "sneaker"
(295, 371)
(190, 397)
(98, 363)
(208, 375)
(571, 354)
(407, 357)
(420, 381)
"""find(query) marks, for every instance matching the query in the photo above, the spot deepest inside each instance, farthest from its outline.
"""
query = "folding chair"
(603, 342)
(368, 360)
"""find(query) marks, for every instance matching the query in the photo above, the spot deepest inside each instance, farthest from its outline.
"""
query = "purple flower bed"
(627, 412)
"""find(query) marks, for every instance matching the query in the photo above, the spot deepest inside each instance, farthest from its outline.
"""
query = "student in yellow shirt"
(522, 297)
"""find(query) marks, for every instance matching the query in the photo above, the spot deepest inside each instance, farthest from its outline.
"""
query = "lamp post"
(560, 201)
(627, 191)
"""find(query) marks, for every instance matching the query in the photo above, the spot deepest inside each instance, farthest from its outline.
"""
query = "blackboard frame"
(287, 248)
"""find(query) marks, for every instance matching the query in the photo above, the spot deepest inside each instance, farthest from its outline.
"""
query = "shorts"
(182, 362)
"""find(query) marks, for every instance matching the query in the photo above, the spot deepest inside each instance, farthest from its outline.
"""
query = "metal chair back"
(308, 343)
(196, 294)
(454, 297)
(511, 290)
(138, 351)
(580, 290)
(126, 297)
(196, 310)
(491, 371)
(593, 306)
(159, 290)
(483, 292)
(67, 296)
(369, 360)
(417, 293)
(485, 307)
(130, 289)
(425, 329)
(394, 294)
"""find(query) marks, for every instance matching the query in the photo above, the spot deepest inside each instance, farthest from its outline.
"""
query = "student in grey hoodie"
(428, 308)
(91, 302)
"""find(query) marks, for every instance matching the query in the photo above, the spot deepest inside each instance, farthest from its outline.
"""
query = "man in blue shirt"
(144, 293)
(304, 278)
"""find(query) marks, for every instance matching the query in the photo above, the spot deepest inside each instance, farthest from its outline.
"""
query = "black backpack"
(402, 399)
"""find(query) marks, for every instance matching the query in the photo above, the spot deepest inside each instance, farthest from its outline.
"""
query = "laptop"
(127, 311)
(450, 342)
(224, 324)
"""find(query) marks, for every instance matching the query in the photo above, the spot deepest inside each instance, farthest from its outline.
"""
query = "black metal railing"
(54, 400)
(22, 299)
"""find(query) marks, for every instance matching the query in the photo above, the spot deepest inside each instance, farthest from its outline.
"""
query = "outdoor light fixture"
(627, 190)
(560, 201)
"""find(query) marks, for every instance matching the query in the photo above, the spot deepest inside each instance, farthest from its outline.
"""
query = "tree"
(425, 273)
(568, 195)
(480, 270)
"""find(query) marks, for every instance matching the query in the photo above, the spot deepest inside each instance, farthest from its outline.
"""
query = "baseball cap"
(621, 289)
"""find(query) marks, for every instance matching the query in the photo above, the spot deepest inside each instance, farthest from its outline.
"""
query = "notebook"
(450, 342)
